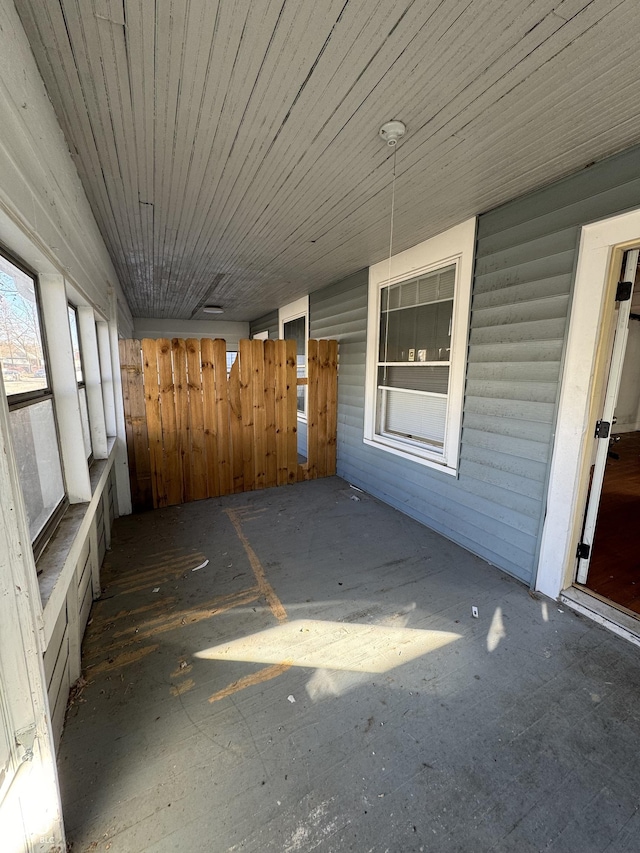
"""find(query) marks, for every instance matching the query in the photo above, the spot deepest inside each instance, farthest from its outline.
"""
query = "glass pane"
(84, 415)
(422, 333)
(419, 417)
(21, 350)
(38, 458)
(75, 343)
(433, 287)
(296, 330)
(416, 377)
(231, 357)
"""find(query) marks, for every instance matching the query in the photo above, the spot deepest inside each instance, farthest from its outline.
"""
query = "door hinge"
(602, 429)
(583, 551)
(623, 291)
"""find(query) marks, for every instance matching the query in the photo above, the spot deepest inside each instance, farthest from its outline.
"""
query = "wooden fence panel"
(271, 462)
(223, 414)
(136, 424)
(291, 428)
(312, 410)
(321, 398)
(235, 420)
(154, 423)
(197, 458)
(332, 408)
(211, 423)
(194, 432)
(172, 461)
(246, 405)
(282, 471)
(259, 414)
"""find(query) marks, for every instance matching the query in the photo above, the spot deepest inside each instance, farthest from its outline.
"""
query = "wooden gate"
(195, 432)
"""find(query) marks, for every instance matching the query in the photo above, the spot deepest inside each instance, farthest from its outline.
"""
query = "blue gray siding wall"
(268, 322)
(526, 255)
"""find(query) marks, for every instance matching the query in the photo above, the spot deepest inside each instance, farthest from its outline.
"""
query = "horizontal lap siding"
(525, 260)
(266, 323)
(526, 255)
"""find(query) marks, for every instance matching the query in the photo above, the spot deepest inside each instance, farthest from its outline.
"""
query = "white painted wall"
(149, 327)
(47, 223)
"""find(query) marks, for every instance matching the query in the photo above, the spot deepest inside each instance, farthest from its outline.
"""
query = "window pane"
(412, 415)
(75, 343)
(297, 330)
(416, 377)
(21, 350)
(416, 317)
(422, 333)
(36, 447)
(231, 357)
(84, 415)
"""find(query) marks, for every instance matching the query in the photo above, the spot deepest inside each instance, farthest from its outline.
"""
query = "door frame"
(600, 253)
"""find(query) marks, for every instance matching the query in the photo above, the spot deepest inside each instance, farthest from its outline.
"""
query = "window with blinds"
(414, 350)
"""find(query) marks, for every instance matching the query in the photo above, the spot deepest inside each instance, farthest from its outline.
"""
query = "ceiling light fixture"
(213, 309)
(393, 131)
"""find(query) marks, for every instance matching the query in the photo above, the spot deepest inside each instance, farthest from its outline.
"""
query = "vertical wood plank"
(139, 423)
(332, 409)
(291, 377)
(210, 417)
(235, 420)
(197, 458)
(172, 459)
(224, 418)
(154, 424)
(259, 414)
(246, 406)
(322, 391)
(179, 352)
(270, 412)
(312, 410)
(281, 402)
(138, 419)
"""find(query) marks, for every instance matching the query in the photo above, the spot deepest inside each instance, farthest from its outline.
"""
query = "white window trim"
(457, 246)
(261, 336)
(293, 311)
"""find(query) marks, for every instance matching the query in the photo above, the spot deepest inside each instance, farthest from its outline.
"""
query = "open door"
(602, 433)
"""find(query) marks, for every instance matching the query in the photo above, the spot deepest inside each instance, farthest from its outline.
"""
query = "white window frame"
(455, 246)
(293, 311)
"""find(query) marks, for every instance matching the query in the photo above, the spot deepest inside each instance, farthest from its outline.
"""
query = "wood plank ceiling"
(230, 148)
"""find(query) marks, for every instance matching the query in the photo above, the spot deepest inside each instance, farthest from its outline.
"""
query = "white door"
(603, 427)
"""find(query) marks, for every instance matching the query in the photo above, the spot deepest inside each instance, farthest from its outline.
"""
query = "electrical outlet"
(474, 612)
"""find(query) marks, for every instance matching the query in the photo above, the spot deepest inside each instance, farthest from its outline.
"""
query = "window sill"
(59, 558)
(388, 447)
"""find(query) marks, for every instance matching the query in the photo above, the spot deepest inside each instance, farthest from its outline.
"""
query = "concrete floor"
(415, 727)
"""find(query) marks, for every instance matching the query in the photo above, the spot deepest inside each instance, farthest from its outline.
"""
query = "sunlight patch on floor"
(332, 645)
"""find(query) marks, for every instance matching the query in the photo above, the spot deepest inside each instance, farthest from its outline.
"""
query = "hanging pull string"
(393, 208)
